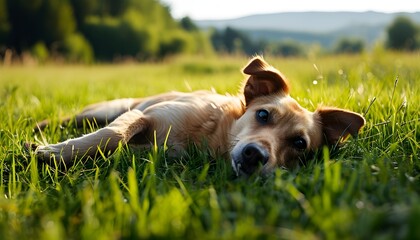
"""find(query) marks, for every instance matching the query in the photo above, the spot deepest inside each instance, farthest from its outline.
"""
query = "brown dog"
(262, 126)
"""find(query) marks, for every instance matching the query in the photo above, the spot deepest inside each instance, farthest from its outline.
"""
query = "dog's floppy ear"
(337, 124)
(264, 80)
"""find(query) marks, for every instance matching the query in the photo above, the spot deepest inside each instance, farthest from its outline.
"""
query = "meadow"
(369, 189)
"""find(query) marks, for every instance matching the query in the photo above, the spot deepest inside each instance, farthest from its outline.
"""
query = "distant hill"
(369, 34)
(322, 27)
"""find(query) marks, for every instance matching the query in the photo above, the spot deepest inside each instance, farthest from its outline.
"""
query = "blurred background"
(80, 31)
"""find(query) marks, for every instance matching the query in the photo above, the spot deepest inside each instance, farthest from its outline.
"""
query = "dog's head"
(275, 130)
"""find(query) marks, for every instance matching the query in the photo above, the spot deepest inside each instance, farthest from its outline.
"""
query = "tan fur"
(262, 126)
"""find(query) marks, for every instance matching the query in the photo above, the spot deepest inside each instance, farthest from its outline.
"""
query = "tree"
(233, 41)
(4, 23)
(287, 49)
(402, 34)
(346, 45)
(36, 21)
(188, 25)
(58, 21)
(83, 9)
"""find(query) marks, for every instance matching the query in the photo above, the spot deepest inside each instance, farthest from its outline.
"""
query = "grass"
(369, 189)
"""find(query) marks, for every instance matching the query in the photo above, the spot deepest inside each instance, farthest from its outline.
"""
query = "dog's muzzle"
(248, 158)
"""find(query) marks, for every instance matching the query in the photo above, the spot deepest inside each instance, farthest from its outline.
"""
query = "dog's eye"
(299, 143)
(262, 116)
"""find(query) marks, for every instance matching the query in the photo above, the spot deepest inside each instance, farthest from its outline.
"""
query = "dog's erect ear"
(337, 124)
(264, 80)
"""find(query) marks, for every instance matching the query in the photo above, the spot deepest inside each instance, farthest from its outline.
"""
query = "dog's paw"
(29, 147)
(43, 153)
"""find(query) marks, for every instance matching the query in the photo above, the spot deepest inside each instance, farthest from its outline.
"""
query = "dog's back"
(196, 117)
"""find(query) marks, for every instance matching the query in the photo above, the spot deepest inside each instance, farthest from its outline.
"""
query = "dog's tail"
(99, 114)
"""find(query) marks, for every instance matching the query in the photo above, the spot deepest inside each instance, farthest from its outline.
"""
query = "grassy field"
(369, 189)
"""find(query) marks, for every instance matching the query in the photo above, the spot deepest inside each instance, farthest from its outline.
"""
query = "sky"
(225, 9)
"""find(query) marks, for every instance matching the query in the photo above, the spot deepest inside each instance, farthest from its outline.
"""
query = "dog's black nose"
(252, 156)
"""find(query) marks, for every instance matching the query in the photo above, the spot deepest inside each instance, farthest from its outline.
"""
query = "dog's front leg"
(106, 140)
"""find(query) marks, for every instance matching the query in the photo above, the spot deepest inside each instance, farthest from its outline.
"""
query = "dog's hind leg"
(106, 140)
(99, 113)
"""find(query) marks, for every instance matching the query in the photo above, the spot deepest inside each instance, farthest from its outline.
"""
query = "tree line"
(108, 30)
(402, 34)
(104, 30)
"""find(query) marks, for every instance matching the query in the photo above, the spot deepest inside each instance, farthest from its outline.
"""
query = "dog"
(259, 129)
